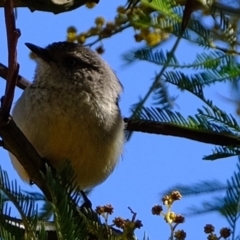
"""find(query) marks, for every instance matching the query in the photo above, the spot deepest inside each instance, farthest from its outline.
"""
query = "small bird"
(70, 112)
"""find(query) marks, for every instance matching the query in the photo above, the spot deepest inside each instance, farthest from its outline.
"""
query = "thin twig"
(9, 20)
(12, 37)
(21, 81)
(156, 81)
(100, 38)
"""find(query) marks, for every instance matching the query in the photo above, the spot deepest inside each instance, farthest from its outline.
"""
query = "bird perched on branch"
(70, 112)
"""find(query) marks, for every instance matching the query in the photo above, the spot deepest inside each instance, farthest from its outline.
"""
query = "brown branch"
(21, 81)
(9, 21)
(190, 7)
(210, 137)
(12, 37)
(13, 139)
(222, 139)
(49, 5)
(15, 142)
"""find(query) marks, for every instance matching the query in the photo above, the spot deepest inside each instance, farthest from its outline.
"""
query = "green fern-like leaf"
(162, 115)
(216, 115)
(202, 79)
(226, 30)
(6, 235)
(23, 203)
(162, 6)
(147, 54)
(210, 60)
(162, 97)
(215, 205)
(222, 152)
(204, 187)
(183, 82)
(204, 36)
(192, 122)
(9, 229)
(232, 200)
(65, 197)
(228, 206)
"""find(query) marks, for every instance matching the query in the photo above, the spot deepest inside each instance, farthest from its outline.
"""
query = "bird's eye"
(71, 61)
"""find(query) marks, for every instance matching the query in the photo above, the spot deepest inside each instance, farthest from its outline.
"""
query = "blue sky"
(150, 163)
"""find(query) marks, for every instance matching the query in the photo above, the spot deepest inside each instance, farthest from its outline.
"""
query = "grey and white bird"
(70, 112)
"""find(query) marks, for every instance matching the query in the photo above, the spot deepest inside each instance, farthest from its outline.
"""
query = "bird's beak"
(39, 52)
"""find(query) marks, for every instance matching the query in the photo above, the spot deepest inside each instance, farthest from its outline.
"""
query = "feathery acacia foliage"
(215, 64)
(225, 203)
(154, 22)
(70, 221)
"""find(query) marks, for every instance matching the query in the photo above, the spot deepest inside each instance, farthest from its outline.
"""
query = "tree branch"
(169, 129)
(222, 139)
(13, 139)
(21, 81)
(53, 6)
(12, 37)
(15, 142)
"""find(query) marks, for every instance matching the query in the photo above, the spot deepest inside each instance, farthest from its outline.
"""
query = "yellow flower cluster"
(125, 18)
(90, 4)
(152, 38)
(71, 34)
(102, 29)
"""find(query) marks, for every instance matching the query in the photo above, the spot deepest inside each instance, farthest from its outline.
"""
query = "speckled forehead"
(69, 47)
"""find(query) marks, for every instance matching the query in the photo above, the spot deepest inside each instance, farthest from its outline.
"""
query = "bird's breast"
(65, 126)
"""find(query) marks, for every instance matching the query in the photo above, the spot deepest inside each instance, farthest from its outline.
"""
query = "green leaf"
(222, 152)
